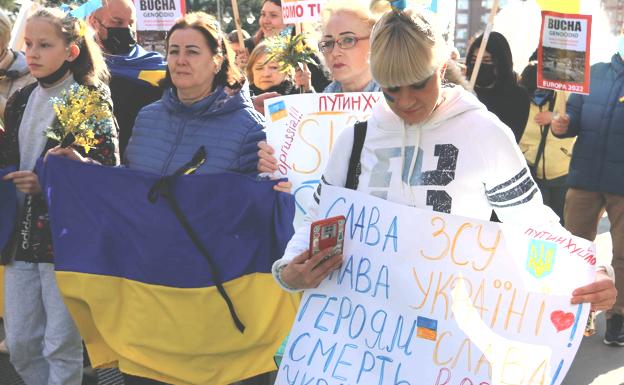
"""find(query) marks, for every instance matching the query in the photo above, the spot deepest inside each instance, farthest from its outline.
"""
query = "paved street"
(597, 363)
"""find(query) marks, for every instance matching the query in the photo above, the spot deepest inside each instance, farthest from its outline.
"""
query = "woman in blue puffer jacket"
(205, 104)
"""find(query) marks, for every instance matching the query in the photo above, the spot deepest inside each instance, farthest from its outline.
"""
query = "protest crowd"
(112, 155)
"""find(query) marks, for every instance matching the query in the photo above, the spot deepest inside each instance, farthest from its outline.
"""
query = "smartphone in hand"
(327, 233)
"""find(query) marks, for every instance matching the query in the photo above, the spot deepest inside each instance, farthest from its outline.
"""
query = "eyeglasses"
(345, 42)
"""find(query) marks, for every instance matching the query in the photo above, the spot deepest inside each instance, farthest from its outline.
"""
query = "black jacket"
(128, 99)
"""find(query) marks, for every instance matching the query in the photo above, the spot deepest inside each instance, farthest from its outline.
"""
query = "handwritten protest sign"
(298, 11)
(154, 18)
(424, 298)
(563, 54)
(302, 129)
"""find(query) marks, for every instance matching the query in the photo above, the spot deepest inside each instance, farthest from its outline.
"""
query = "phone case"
(327, 233)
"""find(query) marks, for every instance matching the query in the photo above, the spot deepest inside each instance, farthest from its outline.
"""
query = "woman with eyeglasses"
(345, 44)
(430, 146)
(346, 47)
(497, 83)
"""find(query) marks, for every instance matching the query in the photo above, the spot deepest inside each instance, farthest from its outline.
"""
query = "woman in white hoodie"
(428, 145)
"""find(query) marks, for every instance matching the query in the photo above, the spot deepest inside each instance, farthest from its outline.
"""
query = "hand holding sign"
(307, 272)
(267, 161)
(601, 293)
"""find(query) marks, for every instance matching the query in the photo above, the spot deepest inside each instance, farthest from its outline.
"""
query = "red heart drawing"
(561, 320)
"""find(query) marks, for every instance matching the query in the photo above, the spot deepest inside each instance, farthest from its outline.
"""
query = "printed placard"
(563, 53)
(154, 19)
(298, 11)
(302, 130)
(428, 298)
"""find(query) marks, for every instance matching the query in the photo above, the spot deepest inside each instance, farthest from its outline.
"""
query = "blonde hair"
(5, 30)
(89, 67)
(357, 8)
(405, 49)
(257, 53)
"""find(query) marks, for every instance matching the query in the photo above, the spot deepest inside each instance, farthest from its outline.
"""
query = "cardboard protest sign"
(426, 298)
(154, 18)
(302, 129)
(298, 11)
(563, 53)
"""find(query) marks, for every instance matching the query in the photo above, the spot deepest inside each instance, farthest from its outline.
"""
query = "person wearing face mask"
(497, 85)
(596, 180)
(548, 156)
(135, 72)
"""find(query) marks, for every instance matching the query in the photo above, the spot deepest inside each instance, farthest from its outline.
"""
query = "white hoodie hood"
(462, 161)
(454, 102)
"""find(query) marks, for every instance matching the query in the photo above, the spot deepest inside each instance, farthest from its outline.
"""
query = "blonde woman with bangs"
(431, 145)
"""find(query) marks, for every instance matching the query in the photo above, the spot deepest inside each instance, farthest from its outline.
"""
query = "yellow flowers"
(82, 28)
(288, 51)
(81, 114)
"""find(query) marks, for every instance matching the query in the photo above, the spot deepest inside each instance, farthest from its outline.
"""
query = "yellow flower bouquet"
(81, 115)
(288, 50)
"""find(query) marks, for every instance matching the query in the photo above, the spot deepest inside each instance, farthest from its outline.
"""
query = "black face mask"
(56, 75)
(120, 41)
(487, 76)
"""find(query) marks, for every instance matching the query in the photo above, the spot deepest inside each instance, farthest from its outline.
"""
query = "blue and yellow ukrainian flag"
(140, 66)
(277, 110)
(144, 298)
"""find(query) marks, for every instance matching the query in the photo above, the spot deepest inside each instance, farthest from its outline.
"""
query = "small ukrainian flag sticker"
(277, 110)
(427, 328)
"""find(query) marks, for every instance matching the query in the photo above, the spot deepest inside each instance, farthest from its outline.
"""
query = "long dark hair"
(229, 75)
(89, 67)
(499, 48)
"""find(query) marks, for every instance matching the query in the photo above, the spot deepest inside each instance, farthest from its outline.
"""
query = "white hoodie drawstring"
(412, 166)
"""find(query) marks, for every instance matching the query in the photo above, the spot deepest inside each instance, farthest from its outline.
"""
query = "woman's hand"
(268, 164)
(601, 293)
(67, 152)
(25, 181)
(543, 118)
(303, 78)
(267, 161)
(559, 125)
(283, 186)
(305, 272)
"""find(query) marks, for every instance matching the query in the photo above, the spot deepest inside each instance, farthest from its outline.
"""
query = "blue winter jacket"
(167, 134)
(598, 120)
